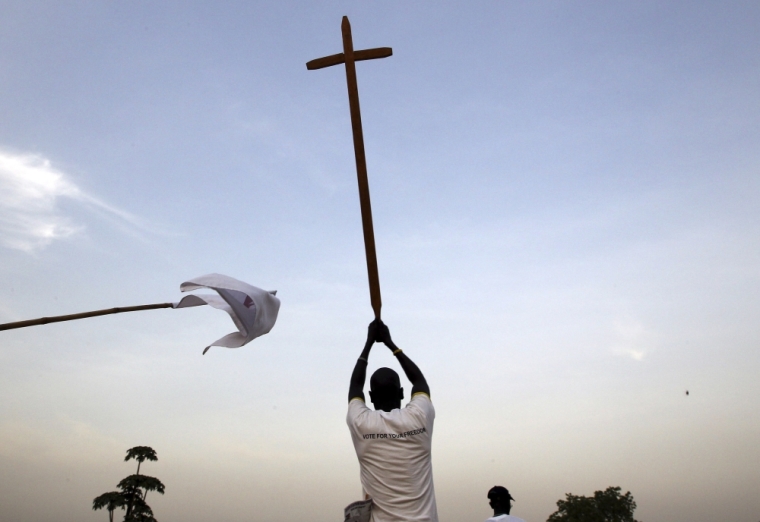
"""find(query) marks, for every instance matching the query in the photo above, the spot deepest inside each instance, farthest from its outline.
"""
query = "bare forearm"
(359, 375)
(413, 373)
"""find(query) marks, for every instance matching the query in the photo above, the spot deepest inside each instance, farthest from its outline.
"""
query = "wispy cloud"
(31, 190)
(632, 339)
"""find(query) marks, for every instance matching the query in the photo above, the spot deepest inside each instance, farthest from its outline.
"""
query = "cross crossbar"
(337, 59)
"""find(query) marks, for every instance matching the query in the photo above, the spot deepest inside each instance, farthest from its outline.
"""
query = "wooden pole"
(83, 315)
(361, 169)
(349, 57)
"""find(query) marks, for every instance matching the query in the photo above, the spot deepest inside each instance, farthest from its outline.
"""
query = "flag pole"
(83, 315)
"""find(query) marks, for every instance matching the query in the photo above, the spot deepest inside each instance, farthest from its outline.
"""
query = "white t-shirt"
(394, 456)
(505, 518)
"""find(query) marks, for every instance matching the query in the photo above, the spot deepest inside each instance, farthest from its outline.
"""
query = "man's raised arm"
(413, 373)
(356, 388)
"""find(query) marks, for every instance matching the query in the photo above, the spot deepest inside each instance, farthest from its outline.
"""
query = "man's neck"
(387, 407)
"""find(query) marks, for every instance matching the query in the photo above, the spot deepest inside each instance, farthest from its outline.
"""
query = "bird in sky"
(687, 393)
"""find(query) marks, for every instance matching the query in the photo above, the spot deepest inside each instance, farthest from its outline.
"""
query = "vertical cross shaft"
(349, 57)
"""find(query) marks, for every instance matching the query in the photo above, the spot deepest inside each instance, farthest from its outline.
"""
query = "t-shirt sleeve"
(422, 406)
(356, 408)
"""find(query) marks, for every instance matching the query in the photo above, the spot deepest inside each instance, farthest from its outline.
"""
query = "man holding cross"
(393, 443)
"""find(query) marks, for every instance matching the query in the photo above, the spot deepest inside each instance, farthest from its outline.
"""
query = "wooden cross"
(349, 56)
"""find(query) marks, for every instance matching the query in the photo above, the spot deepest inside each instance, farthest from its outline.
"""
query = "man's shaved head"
(384, 379)
(385, 389)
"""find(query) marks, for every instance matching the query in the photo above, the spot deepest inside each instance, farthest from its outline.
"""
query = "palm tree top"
(141, 454)
(110, 501)
(142, 482)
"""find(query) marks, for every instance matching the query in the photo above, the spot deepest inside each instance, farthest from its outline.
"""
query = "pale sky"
(568, 235)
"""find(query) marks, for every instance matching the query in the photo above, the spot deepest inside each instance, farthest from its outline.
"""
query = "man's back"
(393, 449)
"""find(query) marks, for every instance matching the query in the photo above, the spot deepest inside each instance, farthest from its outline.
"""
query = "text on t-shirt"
(393, 435)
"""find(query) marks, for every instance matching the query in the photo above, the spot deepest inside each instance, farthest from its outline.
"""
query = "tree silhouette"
(133, 490)
(131, 487)
(141, 482)
(141, 512)
(605, 506)
(110, 501)
(141, 454)
(141, 517)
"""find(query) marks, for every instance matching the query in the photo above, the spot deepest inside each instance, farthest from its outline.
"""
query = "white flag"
(253, 310)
